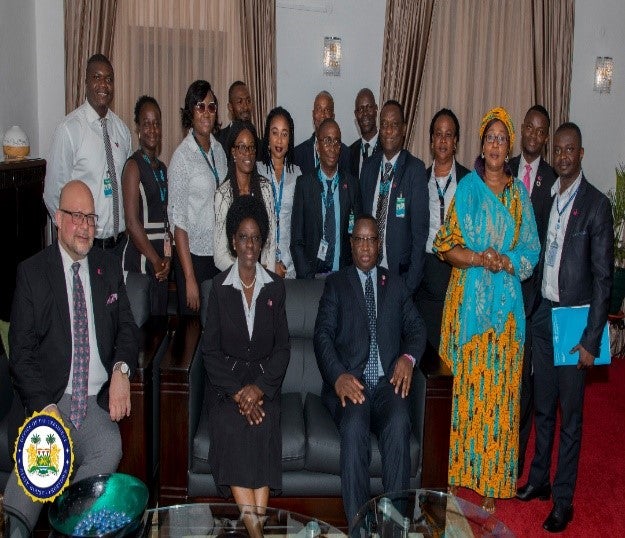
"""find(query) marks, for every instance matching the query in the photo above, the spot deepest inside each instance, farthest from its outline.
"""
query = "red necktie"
(527, 178)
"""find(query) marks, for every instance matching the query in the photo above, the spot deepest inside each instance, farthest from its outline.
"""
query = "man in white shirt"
(575, 269)
(92, 144)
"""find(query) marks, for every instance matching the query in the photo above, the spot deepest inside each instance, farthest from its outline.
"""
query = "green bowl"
(111, 492)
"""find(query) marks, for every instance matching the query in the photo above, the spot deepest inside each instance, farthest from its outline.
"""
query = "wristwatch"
(121, 367)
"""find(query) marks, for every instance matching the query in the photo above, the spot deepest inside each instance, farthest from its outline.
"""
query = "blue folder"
(569, 323)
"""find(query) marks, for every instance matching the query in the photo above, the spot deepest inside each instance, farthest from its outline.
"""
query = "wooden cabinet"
(22, 220)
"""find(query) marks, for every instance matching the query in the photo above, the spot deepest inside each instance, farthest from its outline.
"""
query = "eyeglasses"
(492, 138)
(329, 142)
(361, 240)
(78, 218)
(244, 148)
(202, 107)
(366, 108)
(244, 238)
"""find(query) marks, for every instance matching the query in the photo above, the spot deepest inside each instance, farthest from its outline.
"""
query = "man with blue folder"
(576, 269)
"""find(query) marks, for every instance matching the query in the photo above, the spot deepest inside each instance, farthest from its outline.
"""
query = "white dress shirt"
(551, 284)
(435, 204)
(374, 209)
(533, 172)
(192, 185)
(77, 152)
(97, 373)
(234, 279)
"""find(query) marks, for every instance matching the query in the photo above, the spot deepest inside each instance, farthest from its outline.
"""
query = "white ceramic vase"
(15, 143)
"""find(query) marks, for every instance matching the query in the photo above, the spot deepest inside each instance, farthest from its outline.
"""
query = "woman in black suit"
(246, 352)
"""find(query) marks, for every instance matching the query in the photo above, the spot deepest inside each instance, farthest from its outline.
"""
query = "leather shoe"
(558, 519)
(529, 492)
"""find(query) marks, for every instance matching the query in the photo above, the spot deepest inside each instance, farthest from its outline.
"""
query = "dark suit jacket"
(405, 237)
(342, 328)
(40, 333)
(226, 340)
(587, 262)
(304, 155)
(307, 222)
(355, 150)
(541, 203)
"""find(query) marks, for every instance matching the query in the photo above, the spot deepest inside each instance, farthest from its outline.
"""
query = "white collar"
(234, 279)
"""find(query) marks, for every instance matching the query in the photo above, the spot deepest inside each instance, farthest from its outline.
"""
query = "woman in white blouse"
(276, 163)
(197, 168)
(242, 180)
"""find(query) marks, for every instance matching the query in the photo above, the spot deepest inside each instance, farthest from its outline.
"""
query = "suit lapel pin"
(345, 186)
(383, 280)
(99, 271)
(269, 303)
(575, 212)
(538, 181)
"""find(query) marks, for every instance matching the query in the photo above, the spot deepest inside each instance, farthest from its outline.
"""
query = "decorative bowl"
(116, 502)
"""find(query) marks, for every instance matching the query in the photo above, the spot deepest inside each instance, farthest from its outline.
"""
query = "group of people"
(471, 262)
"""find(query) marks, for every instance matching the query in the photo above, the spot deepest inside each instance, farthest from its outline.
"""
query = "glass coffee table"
(425, 513)
(227, 520)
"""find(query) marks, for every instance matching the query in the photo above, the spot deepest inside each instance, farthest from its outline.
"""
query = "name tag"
(350, 225)
(552, 251)
(400, 207)
(323, 250)
(108, 187)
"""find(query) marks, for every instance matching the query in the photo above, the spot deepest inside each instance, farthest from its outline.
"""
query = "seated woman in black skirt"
(246, 352)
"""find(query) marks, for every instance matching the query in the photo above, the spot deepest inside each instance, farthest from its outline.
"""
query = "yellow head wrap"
(502, 115)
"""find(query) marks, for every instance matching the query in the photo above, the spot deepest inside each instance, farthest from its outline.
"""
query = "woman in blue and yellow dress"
(490, 239)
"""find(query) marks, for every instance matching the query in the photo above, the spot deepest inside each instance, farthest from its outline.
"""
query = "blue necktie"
(371, 369)
(329, 229)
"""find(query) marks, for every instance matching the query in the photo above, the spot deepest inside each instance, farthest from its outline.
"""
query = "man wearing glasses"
(325, 204)
(73, 342)
(92, 143)
(368, 338)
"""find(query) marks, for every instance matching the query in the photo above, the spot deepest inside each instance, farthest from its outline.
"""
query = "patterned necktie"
(527, 178)
(371, 369)
(382, 209)
(329, 228)
(80, 361)
(110, 163)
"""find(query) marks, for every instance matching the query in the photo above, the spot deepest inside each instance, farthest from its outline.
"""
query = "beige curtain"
(481, 56)
(407, 34)
(162, 46)
(89, 29)
(553, 23)
(258, 29)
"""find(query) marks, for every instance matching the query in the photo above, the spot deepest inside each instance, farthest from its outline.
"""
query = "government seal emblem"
(43, 457)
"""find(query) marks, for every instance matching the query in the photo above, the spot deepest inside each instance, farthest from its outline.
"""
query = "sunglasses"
(202, 107)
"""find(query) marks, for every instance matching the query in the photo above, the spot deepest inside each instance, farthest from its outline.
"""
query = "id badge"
(167, 246)
(323, 250)
(350, 225)
(550, 258)
(108, 187)
(400, 207)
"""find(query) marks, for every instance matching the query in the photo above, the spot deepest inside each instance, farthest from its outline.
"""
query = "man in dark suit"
(73, 346)
(366, 379)
(240, 108)
(394, 190)
(443, 177)
(576, 268)
(325, 204)
(535, 172)
(366, 112)
(306, 154)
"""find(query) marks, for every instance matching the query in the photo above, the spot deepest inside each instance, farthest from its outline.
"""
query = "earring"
(234, 159)
(507, 158)
(482, 154)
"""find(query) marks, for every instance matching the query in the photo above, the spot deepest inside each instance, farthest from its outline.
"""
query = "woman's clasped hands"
(250, 400)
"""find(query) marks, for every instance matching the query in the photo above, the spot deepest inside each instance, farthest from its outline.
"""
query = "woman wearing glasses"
(490, 239)
(144, 185)
(242, 180)
(197, 168)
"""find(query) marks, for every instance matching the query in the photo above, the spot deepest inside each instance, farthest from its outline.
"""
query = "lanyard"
(213, 167)
(441, 197)
(277, 200)
(565, 205)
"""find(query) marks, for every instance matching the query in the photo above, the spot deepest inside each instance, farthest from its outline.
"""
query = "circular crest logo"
(43, 457)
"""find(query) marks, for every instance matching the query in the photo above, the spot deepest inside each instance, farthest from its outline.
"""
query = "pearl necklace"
(246, 286)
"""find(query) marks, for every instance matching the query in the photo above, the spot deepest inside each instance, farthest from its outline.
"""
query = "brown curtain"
(89, 29)
(407, 34)
(162, 46)
(258, 30)
(553, 25)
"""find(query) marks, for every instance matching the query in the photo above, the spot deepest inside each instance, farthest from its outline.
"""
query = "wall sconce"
(332, 56)
(603, 74)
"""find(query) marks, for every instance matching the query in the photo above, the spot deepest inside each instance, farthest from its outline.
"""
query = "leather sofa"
(310, 440)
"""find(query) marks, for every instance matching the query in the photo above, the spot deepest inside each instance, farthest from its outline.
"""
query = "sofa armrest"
(137, 431)
(174, 417)
(436, 415)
